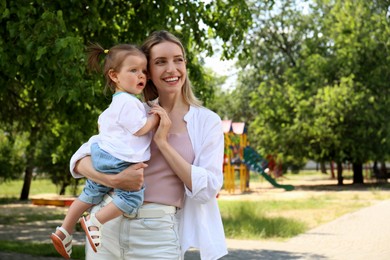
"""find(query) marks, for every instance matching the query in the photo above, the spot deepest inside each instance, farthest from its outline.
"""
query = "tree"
(47, 93)
(268, 81)
(358, 34)
(318, 81)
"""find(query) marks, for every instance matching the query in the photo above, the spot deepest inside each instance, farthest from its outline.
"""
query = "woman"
(184, 172)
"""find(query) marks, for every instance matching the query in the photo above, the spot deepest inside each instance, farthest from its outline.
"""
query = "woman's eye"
(179, 60)
(160, 62)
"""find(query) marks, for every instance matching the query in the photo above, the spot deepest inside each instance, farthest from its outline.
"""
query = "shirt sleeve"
(206, 172)
(132, 116)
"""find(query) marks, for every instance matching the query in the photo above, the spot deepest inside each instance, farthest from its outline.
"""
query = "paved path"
(362, 235)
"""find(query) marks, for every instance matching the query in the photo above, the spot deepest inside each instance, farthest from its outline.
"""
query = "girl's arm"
(131, 178)
(150, 124)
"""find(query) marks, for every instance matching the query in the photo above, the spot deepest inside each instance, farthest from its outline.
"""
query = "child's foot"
(93, 229)
(62, 242)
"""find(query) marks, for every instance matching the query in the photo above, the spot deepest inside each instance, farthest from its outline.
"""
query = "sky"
(223, 68)
(226, 68)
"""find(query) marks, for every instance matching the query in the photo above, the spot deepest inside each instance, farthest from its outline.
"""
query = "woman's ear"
(113, 75)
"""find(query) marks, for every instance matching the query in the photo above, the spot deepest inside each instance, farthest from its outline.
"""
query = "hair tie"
(106, 51)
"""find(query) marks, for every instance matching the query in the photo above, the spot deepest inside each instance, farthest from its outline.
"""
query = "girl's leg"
(108, 212)
(75, 211)
(110, 249)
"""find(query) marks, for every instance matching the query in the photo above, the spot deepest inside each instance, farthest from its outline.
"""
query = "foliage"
(46, 92)
(317, 78)
(11, 156)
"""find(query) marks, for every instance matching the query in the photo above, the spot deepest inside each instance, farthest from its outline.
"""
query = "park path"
(364, 234)
(361, 235)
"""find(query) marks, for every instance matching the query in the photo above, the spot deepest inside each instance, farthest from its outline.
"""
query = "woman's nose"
(171, 66)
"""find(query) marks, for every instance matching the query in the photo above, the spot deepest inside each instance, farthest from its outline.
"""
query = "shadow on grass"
(258, 254)
(345, 187)
(12, 201)
(38, 249)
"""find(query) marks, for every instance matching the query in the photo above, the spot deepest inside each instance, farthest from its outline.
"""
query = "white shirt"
(200, 220)
(117, 126)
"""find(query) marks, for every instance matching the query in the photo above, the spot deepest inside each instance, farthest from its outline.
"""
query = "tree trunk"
(383, 171)
(74, 187)
(323, 167)
(28, 173)
(332, 170)
(375, 169)
(357, 173)
(27, 183)
(340, 173)
(63, 189)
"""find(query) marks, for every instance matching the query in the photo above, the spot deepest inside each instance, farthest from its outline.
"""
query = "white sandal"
(94, 236)
(63, 247)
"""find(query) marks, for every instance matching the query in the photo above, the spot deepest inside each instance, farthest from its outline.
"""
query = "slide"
(257, 163)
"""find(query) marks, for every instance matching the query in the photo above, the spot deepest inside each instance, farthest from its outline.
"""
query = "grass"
(38, 249)
(12, 189)
(268, 215)
(281, 219)
(249, 220)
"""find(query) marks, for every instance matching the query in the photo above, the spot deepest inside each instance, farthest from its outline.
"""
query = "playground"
(240, 158)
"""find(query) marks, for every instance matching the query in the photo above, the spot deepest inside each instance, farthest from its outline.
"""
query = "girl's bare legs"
(107, 213)
(75, 211)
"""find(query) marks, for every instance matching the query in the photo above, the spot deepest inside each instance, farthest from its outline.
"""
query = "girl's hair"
(150, 91)
(113, 59)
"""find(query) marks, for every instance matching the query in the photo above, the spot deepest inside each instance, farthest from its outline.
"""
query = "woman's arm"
(131, 178)
(177, 163)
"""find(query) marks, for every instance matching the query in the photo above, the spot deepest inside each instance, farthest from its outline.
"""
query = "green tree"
(318, 82)
(268, 90)
(11, 155)
(357, 34)
(44, 88)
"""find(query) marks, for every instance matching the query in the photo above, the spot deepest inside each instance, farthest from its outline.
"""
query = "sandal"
(94, 236)
(63, 247)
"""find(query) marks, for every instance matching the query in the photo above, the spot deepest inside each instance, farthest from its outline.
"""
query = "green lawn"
(267, 216)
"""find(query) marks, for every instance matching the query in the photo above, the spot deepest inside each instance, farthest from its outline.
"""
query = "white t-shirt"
(117, 126)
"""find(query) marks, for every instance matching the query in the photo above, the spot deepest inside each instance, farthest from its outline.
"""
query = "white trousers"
(139, 238)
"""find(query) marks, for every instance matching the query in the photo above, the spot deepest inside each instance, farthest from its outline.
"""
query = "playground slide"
(259, 164)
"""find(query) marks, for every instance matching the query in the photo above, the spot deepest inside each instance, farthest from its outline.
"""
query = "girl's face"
(132, 75)
(167, 67)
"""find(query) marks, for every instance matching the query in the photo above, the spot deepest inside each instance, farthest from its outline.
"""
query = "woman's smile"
(167, 65)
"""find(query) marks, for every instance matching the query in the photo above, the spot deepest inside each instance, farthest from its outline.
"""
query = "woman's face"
(167, 67)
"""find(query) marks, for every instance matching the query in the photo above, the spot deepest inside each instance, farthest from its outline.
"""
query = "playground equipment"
(239, 156)
(235, 141)
(259, 164)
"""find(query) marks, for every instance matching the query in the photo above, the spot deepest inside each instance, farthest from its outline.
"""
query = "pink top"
(161, 184)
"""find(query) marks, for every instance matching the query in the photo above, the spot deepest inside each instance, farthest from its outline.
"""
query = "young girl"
(124, 139)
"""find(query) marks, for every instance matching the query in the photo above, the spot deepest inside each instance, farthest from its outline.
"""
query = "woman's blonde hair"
(113, 59)
(150, 91)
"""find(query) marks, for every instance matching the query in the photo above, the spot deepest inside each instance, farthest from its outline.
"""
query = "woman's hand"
(161, 134)
(131, 178)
